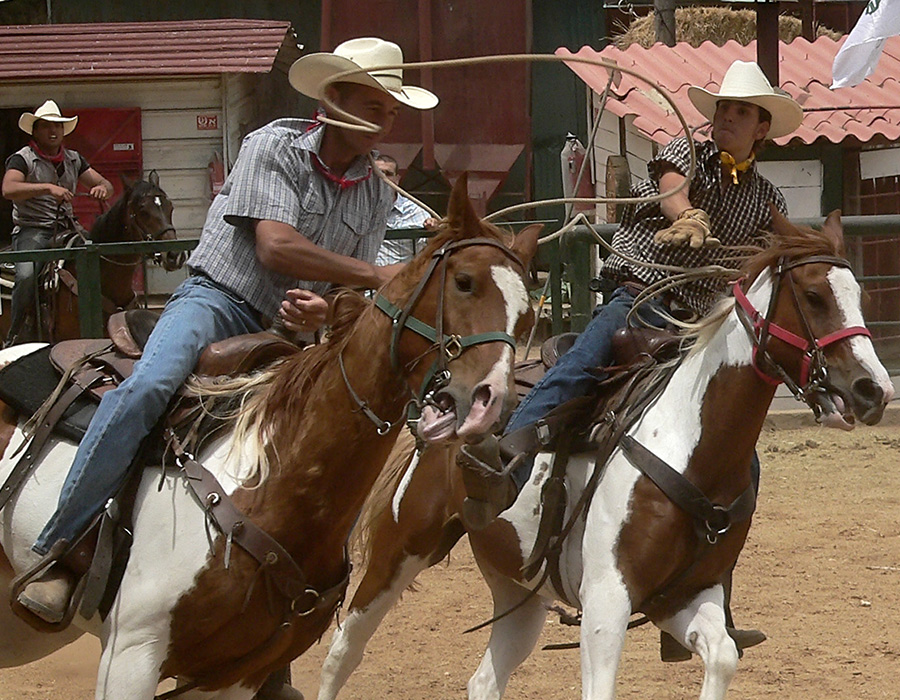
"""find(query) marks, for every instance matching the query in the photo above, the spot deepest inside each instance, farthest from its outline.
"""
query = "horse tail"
(381, 496)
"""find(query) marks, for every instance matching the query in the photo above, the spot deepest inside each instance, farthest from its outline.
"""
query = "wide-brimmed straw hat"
(745, 82)
(49, 111)
(308, 72)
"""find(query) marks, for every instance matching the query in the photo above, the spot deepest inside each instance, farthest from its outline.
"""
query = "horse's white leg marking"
(847, 295)
(403, 485)
(512, 638)
(701, 628)
(515, 298)
(349, 640)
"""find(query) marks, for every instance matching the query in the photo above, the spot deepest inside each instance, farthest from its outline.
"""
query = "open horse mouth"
(446, 418)
(865, 401)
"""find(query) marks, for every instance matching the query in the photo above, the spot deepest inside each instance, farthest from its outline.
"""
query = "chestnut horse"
(631, 549)
(298, 459)
(142, 213)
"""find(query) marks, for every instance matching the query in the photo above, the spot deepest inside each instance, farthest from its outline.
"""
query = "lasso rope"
(679, 275)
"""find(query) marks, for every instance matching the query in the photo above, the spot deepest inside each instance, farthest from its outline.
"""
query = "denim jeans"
(22, 303)
(570, 376)
(200, 312)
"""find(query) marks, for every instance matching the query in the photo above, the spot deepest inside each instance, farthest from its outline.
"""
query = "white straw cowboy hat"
(49, 111)
(308, 72)
(745, 82)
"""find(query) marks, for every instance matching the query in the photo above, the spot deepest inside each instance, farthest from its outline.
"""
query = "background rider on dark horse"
(40, 180)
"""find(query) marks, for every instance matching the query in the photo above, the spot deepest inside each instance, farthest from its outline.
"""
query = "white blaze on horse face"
(847, 295)
(482, 416)
(157, 201)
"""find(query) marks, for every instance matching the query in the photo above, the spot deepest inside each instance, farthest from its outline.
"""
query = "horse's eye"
(814, 299)
(463, 283)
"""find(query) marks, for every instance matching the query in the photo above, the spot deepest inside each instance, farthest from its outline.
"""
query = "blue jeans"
(570, 377)
(22, 303)
(200, 312)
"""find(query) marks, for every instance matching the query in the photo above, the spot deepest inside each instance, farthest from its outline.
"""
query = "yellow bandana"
(733, 167)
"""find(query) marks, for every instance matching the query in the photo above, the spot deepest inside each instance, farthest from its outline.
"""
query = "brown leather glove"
(691, 226)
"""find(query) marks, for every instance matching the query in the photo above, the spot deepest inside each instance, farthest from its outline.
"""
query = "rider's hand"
(60, 194)
(691, 227)
(100, 192)
(303, 311)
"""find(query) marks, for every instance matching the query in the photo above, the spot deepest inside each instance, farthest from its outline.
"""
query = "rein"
(814, 366)
(449, 347)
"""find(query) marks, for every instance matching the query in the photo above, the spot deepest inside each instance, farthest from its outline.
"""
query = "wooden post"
(767, 39)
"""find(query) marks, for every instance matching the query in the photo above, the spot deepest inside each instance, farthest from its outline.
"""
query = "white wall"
(884, 162)
(800, 181)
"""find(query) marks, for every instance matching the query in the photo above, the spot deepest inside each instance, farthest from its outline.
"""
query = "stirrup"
(18, 584)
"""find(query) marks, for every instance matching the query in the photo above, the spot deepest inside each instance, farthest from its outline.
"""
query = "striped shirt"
(738, 214)
(275, 178)
(404, 214)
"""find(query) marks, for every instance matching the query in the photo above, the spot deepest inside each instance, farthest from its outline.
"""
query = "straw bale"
(695, 25)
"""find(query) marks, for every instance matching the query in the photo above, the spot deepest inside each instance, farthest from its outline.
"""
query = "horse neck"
(110, 227)
(717, 403)
(331, 455)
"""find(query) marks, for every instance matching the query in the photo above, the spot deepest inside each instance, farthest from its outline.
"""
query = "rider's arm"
(677, 203)
(16, 189)
(282, 249)
(99, 186)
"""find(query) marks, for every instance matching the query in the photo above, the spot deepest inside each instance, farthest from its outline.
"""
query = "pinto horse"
(297, 459)
(142, 213)
(630, 548)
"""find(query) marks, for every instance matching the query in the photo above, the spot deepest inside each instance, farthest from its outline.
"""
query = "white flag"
(859, 55)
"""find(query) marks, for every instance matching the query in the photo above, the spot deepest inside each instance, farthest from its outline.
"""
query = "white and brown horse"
(632, 549)
(298, 461)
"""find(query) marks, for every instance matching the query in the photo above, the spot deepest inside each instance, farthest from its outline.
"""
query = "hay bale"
(695, 25)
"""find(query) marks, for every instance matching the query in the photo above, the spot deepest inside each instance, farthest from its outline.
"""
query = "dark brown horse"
(298, 459)
(631, 548)
(142, 213)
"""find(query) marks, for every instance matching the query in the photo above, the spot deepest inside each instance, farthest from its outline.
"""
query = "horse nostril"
(869, 391)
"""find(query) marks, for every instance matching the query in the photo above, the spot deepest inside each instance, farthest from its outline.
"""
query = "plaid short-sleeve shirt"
(275, 178)
(738, 214)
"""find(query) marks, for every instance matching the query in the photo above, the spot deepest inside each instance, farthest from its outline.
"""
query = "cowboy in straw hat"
(40, 180)
(300, 211)
(727, 202)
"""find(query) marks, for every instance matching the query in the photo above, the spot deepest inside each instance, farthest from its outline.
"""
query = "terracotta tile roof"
(201, 47)
(868, 110)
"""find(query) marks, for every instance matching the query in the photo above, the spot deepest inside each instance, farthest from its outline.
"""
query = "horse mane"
(109, 222)
(261, 405)
(786, 240)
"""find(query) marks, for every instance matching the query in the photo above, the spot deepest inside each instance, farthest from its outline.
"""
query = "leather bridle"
(447, 347)
(814, 366)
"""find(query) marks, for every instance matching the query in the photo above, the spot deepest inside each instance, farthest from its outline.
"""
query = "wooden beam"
(767, 39)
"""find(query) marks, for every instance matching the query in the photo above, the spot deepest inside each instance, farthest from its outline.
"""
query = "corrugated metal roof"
(201, 47)
(868, 110)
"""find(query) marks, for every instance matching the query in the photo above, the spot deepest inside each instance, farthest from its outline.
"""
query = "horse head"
(813, 336)
(149, 215)
(467, 287)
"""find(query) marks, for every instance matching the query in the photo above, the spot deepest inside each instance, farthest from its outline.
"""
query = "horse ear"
(834, 229)
(153, 178)
(127, 182)
(526, 243)
(780, 224)
(461, 215)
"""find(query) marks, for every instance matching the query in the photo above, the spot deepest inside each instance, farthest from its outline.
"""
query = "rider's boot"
(48, 596)
(671, 650)
(490, 488)
(278, 687)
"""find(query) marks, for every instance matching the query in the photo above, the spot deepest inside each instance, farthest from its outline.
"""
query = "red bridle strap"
(786, 336)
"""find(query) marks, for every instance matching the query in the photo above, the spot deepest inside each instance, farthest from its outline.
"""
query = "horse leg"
(378, 592)
(512, 637)
(604, 621)
(701, 628)
(399, 551)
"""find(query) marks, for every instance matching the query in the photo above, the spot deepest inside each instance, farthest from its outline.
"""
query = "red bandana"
(56, 160)
(342, 182)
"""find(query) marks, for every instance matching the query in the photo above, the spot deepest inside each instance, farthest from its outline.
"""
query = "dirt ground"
(820, 575)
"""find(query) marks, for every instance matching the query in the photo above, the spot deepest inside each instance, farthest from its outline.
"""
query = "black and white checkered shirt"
(276, 179)
(737, 214)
